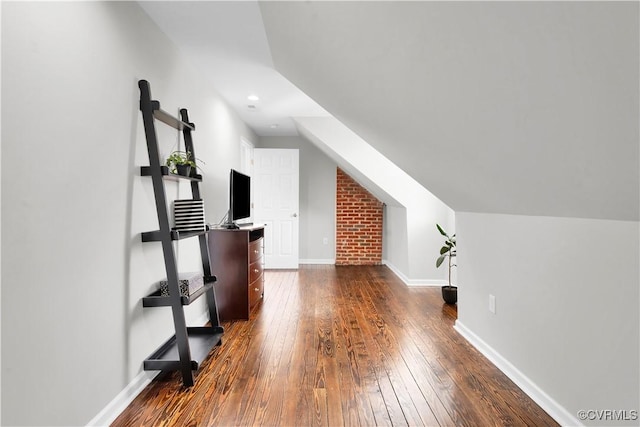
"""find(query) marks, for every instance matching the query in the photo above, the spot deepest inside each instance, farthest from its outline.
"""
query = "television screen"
(240, 196)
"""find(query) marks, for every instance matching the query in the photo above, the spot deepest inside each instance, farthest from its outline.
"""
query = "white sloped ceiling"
(502, 107)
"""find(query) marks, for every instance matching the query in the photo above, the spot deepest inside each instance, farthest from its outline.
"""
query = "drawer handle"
(255, 270)
(255, 251)
(256, 289)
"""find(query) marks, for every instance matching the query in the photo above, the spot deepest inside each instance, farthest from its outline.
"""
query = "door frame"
(277, 220)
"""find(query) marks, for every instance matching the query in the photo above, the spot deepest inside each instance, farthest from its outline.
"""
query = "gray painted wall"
(566, 303)
(74, 333)
(395, 242)
(317, 198)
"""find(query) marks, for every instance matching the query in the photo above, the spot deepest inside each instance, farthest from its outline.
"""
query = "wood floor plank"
(263, 378)
(414, 406)
(298, 370)
(399, 409)
(458, 401)
(459, 369)
(385, 409)
(356, 364)
(340, 346)
(234, 408)
(327, 372)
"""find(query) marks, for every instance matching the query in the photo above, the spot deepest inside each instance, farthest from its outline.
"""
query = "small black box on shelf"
(189, 283)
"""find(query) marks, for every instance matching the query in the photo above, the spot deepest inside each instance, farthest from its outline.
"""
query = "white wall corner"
(123, 399)
(550, 406)
(203, 319)
(412, 282)
(119, 403)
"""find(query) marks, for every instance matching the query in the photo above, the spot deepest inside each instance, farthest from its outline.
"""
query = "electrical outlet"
(492, 304)
(325, 240)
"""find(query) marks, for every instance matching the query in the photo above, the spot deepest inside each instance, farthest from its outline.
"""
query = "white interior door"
(246, 156)
(275, 190)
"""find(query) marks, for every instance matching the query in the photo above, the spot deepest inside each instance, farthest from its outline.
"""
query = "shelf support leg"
(182, 339)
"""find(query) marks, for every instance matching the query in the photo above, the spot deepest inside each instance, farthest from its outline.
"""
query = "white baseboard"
(550, 406)
(317, 261)
(123, 399)
(133, 389)
(412, 282)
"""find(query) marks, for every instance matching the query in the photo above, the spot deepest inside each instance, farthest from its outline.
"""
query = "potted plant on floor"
(448, 251)
(181, 163)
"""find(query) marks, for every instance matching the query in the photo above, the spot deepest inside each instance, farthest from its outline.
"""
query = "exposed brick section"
(358, 224)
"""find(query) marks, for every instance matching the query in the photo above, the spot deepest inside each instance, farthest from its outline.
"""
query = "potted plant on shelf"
(449, 292)
(181, 163)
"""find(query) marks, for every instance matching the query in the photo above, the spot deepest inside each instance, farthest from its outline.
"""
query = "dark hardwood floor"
(333, 346)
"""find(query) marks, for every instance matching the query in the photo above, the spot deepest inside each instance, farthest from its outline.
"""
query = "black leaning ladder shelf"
(190, 345)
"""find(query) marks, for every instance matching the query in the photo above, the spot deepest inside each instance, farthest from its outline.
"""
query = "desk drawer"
(255, 250)
(255, 271)
(256, 291)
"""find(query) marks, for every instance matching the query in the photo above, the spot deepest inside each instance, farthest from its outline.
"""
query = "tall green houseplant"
(448, 251)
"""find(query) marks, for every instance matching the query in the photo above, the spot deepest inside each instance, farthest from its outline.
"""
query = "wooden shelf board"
(201, 340)
(170, 120)
(164, 170)
(157, 300)
(155, 236)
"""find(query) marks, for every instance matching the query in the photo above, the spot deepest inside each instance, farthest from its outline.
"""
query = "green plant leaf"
(444, 250)
(439, 260)
(441, 230)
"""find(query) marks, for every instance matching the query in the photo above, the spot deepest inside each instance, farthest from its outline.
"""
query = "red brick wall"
(358, 224)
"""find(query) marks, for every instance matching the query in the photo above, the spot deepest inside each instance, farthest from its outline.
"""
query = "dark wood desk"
(237, 262)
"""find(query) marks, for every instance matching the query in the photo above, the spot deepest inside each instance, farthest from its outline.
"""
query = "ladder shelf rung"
(156, 236)
(168, 119)
(157, 300)
(164, 170)
(201, 340)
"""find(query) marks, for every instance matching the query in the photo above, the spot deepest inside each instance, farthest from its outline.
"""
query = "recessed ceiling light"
(274, 126)
(253, 98)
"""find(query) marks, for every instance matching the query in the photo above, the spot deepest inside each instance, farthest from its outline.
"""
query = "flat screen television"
(239, 197)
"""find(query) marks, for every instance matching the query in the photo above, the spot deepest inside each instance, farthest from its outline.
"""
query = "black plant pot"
(450, 294)
(184, 170)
